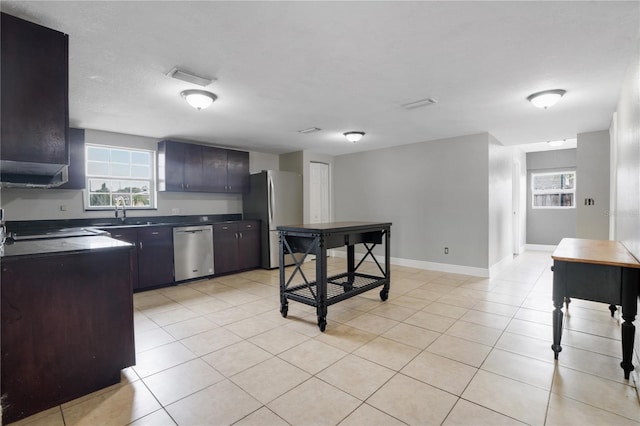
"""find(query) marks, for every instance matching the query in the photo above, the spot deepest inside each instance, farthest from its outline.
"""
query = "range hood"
(18, 174)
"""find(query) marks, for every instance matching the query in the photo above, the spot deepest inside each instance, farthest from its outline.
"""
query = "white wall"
(435, 193)
(39, 204)
(592, 162)
(626, 154)
(500, 202)
(627, 145)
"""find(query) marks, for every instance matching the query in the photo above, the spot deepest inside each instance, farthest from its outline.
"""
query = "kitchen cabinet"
(34, 103)
(76, 171)
(67, 327)
(236, 246)
(153, 257)
(185, 167)
(237, 171)
(129, 235)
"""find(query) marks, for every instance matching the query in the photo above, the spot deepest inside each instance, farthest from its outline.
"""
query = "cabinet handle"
(236, 234)
(187, 186)
(155, 233)
(241, 235)
(140, 245)
(117, 236)
(182, 185)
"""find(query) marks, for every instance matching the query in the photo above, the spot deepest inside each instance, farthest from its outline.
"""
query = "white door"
(516, 206)
(319, 193)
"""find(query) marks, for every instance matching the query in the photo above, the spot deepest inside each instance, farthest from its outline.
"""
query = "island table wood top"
(599, 252)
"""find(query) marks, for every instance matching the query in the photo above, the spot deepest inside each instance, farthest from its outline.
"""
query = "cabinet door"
(225, 248)
(35, 87)
(237, 171)
(249, 245)
(155, 256)
(170, 166)
(129, 235)
(214, 169)
(77, 177)
(193, 178)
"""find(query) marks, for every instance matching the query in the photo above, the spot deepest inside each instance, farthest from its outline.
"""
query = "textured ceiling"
(286, 66)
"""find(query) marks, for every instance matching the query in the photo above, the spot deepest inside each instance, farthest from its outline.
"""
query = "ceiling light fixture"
(557, 143)
(420, 103)
(190, 78)
(199, 99)
(546, 98)
(310, 130)
(353, 136)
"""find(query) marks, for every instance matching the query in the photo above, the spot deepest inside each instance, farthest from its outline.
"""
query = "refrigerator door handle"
(270, 197)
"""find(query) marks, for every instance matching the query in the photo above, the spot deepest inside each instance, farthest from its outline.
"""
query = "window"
(553, 190)
(114, 172)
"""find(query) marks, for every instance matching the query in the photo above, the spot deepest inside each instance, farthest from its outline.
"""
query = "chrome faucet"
(119, 202)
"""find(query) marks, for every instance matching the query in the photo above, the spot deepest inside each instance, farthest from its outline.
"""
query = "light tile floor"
(444, 349)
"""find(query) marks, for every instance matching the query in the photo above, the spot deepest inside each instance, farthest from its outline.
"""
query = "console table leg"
(557, 329)
(628, 336)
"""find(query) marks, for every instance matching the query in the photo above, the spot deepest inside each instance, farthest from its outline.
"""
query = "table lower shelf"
(338, 288)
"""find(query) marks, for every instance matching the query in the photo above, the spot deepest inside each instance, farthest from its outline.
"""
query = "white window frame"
(554, 191)
(153, 195)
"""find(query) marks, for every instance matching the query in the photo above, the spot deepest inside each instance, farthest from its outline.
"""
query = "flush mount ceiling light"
(546, 98)
(353, 136)
(199, 99)
(190, 78)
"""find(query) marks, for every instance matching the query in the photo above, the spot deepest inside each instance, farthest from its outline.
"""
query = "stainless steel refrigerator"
(274, 198)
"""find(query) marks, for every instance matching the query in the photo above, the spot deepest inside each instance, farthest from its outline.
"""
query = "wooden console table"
(600, 271)
(316, 239)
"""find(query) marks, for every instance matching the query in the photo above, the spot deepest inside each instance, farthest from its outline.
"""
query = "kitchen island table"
(315, 239)
(600, 271)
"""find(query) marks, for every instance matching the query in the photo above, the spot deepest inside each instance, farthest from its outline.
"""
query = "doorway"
(515, 200)
(319, 204)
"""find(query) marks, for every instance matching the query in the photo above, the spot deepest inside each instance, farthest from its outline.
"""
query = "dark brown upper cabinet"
(186, 167)
(35, 104)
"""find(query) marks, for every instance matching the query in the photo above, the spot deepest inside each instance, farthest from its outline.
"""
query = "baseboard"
(500, 265)
(420, 264)
(540, 247)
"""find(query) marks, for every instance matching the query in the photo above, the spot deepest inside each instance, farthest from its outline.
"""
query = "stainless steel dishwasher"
(193, 251)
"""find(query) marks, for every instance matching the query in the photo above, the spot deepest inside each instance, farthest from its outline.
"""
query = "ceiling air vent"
(420, 103)
(190, 78)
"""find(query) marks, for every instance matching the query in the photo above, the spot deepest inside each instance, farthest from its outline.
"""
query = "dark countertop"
(62, 245)
(43, 226)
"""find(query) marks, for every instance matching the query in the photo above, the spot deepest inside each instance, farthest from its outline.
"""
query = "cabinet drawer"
(249, 225)
(225, 227)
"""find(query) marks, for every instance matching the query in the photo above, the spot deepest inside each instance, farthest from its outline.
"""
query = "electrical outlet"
(175, 210)
(446, 250)
(63, 207)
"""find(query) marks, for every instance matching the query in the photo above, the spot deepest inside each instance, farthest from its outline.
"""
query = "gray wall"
(592, 161)
(300, 162)
(436, 194)
(549, 226)
(38, 204)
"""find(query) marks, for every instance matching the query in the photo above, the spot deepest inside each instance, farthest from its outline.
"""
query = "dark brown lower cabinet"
(236, 246)
(67, 327)
(153, 256)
